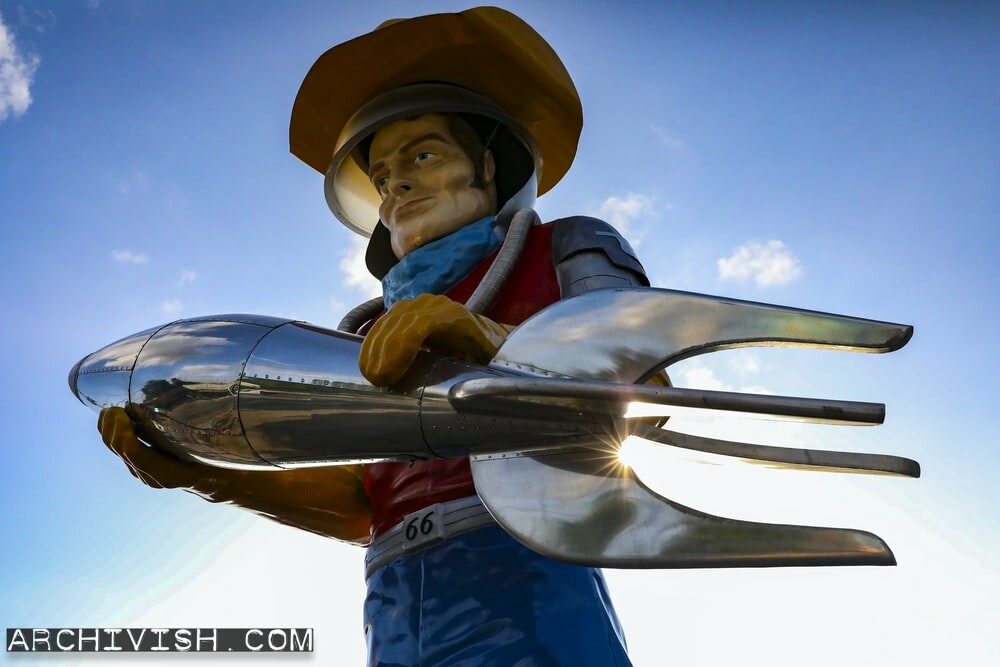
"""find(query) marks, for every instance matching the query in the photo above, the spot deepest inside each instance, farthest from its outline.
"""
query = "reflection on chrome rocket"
(260, 391)
(541, 420)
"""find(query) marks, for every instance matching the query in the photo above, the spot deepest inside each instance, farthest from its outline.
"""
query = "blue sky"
(843, 158)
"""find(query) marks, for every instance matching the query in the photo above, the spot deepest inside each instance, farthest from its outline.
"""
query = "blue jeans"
(482, 598)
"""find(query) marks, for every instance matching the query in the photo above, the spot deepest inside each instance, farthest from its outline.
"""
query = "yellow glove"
(443, 325)
(150, 466)
(329, 501)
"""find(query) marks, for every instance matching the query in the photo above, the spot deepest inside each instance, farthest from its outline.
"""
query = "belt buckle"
(423, 528)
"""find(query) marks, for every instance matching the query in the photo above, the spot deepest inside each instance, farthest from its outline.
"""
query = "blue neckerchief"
(438, 266)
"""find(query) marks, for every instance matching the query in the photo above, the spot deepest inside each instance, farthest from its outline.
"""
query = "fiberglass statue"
(488, 490)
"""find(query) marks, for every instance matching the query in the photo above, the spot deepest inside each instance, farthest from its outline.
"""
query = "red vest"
(396, 489)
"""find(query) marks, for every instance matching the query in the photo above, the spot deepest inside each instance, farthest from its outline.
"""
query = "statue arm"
(328, 501)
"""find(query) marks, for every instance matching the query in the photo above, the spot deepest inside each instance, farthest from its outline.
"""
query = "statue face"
(426, 181)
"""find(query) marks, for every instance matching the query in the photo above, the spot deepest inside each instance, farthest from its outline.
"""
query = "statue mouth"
(410, 207)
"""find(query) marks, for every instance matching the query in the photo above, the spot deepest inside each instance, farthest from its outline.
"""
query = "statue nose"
(399, 185)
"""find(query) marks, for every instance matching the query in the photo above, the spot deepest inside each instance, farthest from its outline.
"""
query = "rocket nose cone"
(101, 380)
(74, 373)
(99, 388)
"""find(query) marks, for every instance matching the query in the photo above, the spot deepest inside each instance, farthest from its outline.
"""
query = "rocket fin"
(626, 335)
(589, 509)
(586, 507)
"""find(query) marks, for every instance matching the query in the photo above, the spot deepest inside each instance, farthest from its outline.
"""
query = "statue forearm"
(329, 501)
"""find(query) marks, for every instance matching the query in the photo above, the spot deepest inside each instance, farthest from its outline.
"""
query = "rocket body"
(247, 390)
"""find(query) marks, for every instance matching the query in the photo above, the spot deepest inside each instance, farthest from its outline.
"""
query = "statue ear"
(489, 168)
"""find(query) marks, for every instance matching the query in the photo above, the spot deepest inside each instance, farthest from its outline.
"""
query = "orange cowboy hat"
(487, 51)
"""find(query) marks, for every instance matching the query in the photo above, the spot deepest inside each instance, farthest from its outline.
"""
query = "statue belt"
(425, 528)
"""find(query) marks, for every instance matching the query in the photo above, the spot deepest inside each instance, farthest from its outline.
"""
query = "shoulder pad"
(581, 234)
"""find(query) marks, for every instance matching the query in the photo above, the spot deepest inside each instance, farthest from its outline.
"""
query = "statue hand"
(443, 325)
(150, 466)
(329, 501)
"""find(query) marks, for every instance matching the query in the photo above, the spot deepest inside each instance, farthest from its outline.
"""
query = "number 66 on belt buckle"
(423, 529)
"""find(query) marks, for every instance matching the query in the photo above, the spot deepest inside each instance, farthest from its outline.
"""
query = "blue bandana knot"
(438, 266)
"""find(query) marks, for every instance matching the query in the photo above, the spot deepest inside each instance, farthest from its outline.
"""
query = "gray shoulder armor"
(590, 254)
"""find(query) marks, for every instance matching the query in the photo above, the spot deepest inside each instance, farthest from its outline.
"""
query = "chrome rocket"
(542, 422)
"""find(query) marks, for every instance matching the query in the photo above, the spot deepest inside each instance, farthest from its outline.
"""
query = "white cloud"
(125, 256)
(703, 378)
(697, 376)
(187, 276)
(338, 307)
(36, 18)
(136, 182)
(171, 307)
(16, 73)
(356, 275)
(768, 264)
(667, 140)
(622, 212)
(744, 362)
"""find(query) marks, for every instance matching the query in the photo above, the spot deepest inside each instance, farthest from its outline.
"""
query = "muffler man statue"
(435, 135)
(489, 407)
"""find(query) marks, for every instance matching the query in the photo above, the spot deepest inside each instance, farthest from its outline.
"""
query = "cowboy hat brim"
(485, 49)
